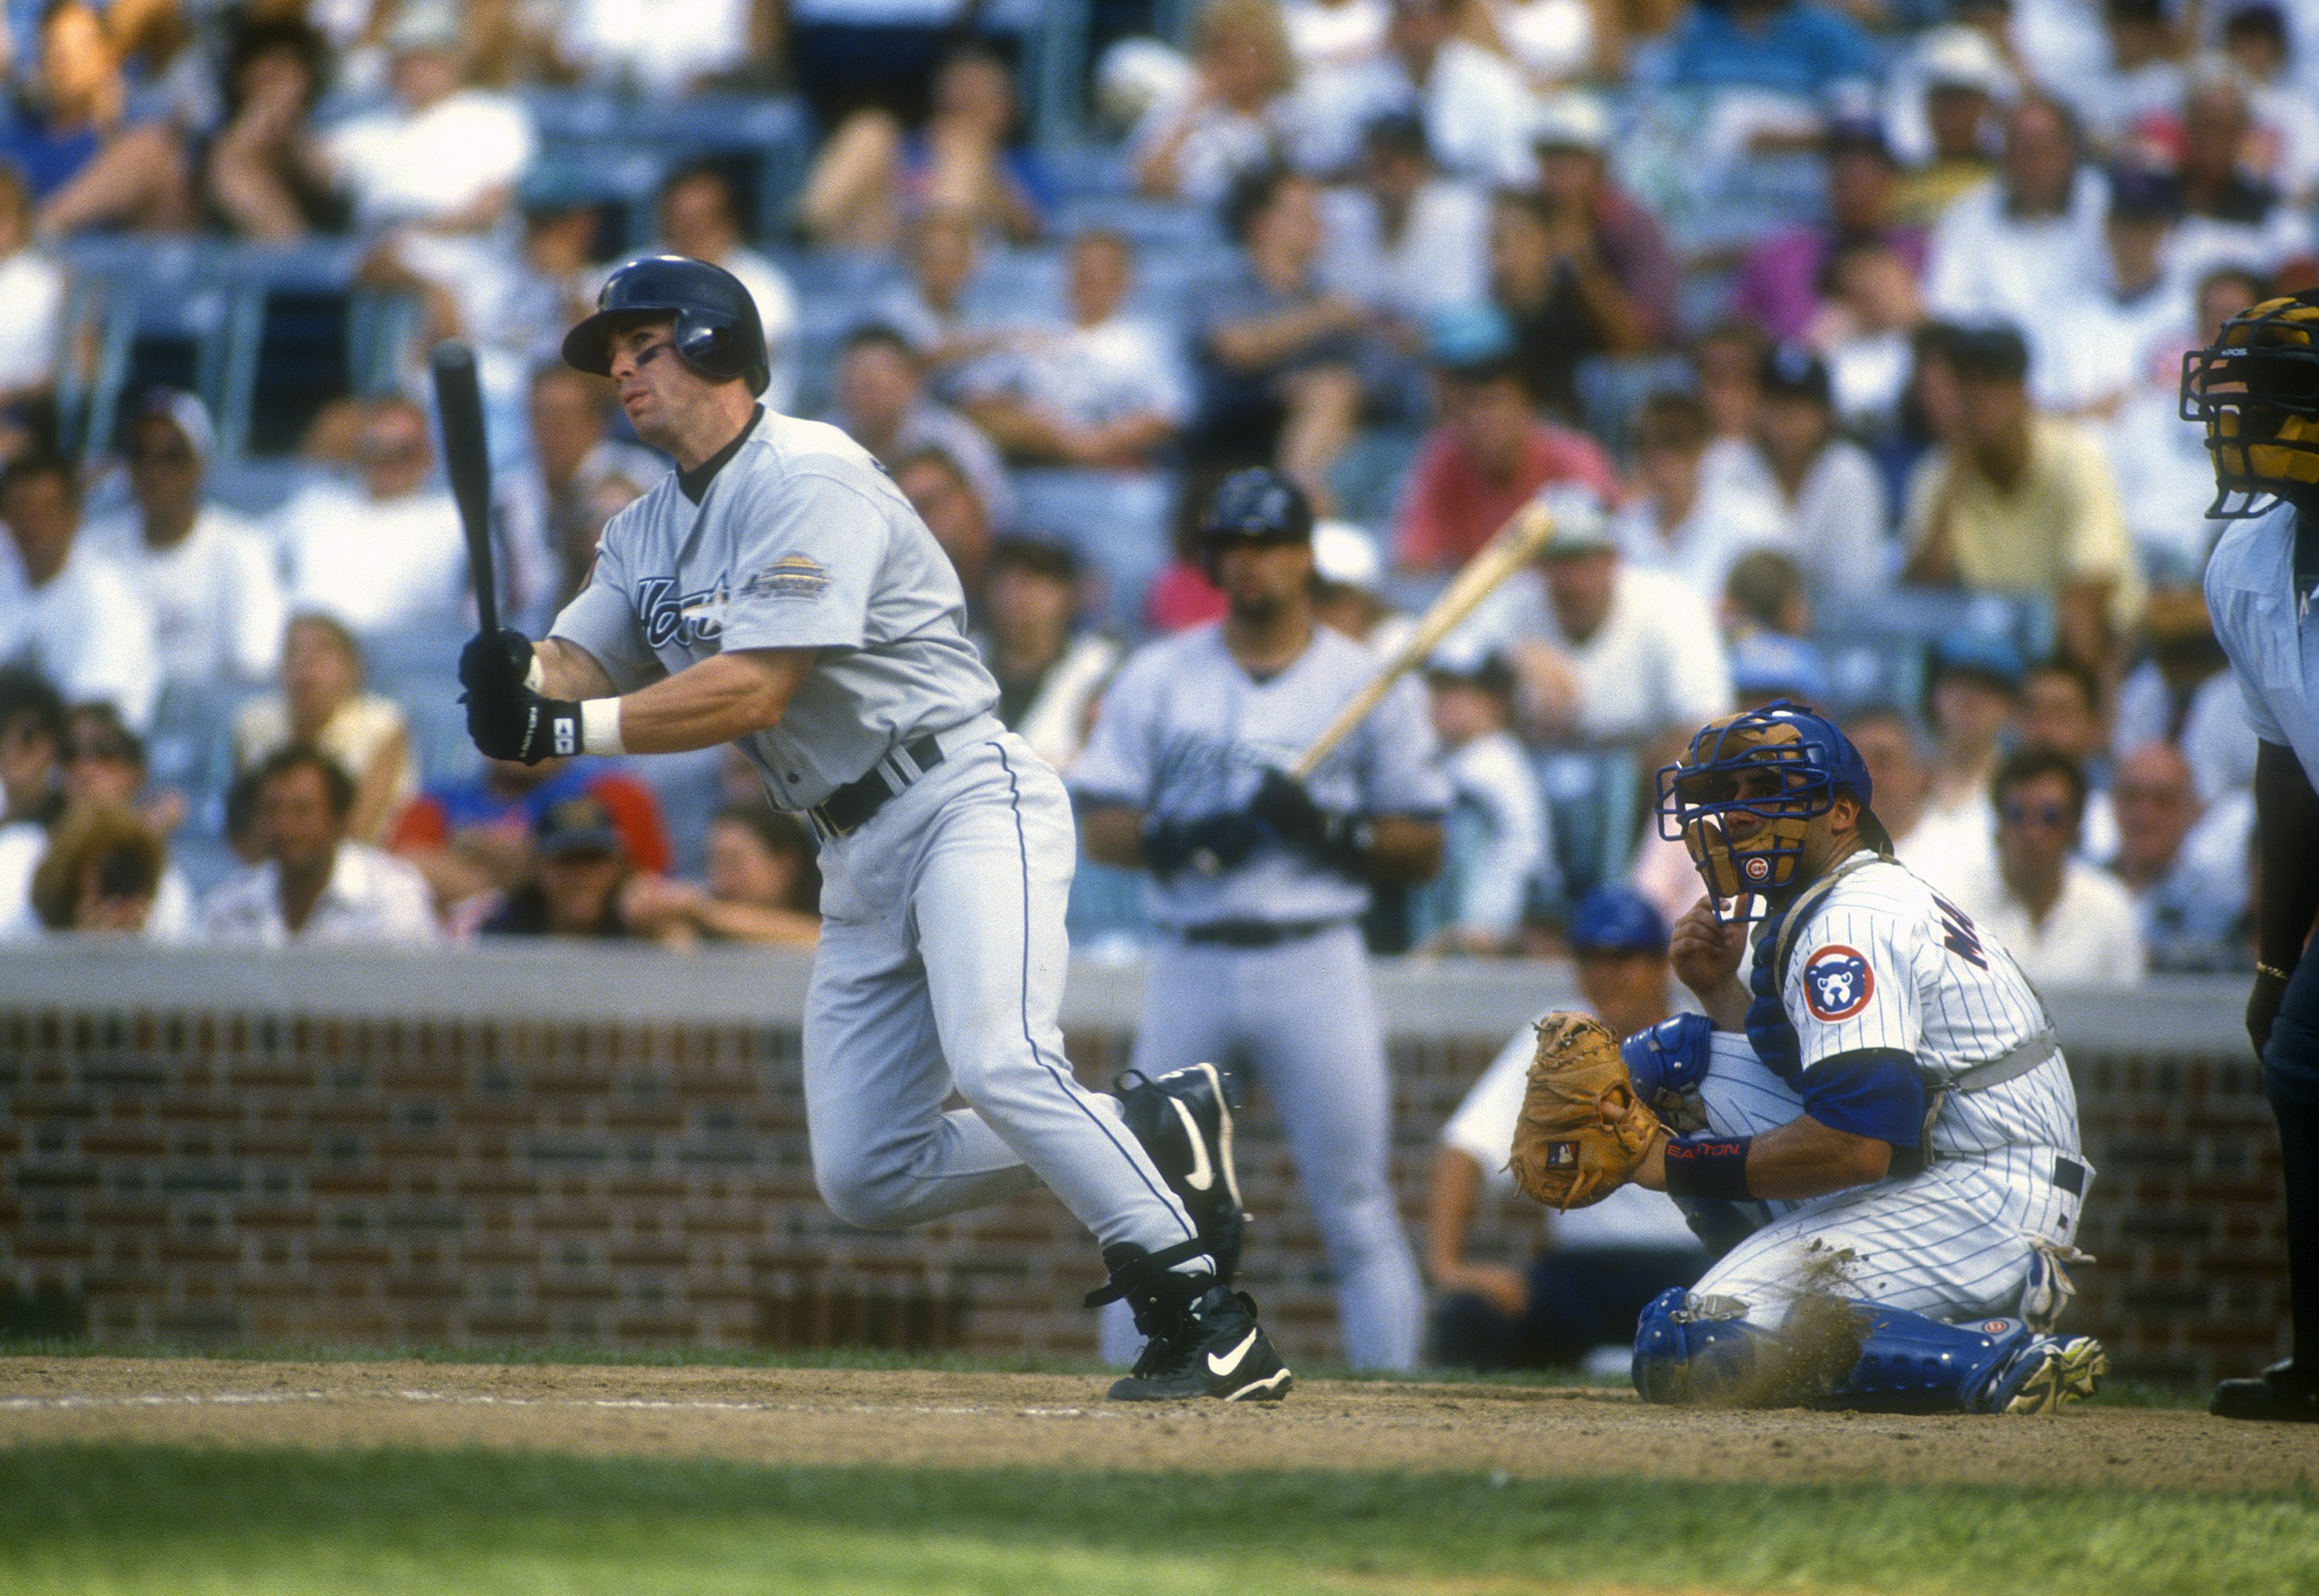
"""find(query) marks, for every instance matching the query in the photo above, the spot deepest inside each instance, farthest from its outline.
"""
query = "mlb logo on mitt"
(1561, 1155)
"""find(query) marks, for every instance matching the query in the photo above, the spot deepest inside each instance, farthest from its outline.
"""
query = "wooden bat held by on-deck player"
(459, 411)
(1516, 544)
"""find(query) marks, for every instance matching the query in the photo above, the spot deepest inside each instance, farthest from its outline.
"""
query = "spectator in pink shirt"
(1783, 285)
(1490, 454)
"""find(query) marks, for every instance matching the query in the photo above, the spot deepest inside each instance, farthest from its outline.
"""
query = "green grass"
(164, 1520)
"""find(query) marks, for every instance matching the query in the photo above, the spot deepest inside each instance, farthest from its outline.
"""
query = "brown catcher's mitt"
(1564, 1155)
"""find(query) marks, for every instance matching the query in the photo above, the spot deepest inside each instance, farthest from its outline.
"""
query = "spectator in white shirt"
(206, 575)
(2061, 712)
(2183, 695)
(387, 555)
(33, 731)
(1048, 670)
(698, 219)
(1827, 490)
(944, 496)
(1894, 750)
(2028, 240)
(932, 310)
(32, 298)
(1972, 688)
(1478, 111)
(2233, 217)
(1684, 522)
(578, 478)
(314, 885)
(1230, 119)
(1335, 32)
(65, 609)
(2185, 865)
(1496, 843)
(1602, 653)
(1600, 1263)
(2102, 348)
(883, 404)
(2285, 143)
(659, 49)
(105, 873)
(2067, 923)
(1404, 242)
(1106, 389)
(323, 705)
(104, 771)
(2141, 90)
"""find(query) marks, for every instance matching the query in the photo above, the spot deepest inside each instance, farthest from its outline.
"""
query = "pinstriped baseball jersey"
(1884, 962)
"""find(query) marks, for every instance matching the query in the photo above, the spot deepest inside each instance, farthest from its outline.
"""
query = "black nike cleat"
(1216, 1348)
(2285, 1392)
(1184, 1123)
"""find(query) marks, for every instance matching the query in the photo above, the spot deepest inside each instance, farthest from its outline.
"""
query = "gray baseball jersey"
(799, 540)
(942, 952)
(1186, 731)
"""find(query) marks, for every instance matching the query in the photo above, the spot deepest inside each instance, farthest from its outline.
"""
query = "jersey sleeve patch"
(792, 576)
(1839, 982)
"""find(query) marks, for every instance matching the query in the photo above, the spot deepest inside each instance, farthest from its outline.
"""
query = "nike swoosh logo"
(1203, 1175)
(1221, 1368)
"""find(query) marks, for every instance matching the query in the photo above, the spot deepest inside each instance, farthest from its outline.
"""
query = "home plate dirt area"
(967, 1420)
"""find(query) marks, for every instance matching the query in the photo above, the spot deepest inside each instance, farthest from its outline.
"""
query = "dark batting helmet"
(717, 333)
(1256, 505)
(2255, 388)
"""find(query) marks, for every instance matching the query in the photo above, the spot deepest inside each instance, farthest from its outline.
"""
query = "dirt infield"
(816, 1415)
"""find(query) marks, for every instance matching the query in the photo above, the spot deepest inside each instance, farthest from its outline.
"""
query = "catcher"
(1879, 1124)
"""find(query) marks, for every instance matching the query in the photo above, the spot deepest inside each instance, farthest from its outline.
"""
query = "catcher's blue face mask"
(1781, 766)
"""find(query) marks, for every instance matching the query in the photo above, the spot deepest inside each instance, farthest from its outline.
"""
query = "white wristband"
(600, 726)
(536, 678)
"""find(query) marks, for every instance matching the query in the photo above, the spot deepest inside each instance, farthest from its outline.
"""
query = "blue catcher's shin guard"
(1912, 1364)
(1697, 1350)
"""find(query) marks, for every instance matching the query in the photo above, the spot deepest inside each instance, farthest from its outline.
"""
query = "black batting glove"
(522, 725)
(1334, 839)
(495, 662)
(1219, 842)
(2263, 1008)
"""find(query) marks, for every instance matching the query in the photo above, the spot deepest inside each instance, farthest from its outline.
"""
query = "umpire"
(2256, 389)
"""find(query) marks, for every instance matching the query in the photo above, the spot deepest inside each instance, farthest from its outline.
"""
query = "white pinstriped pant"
(1953, 1242)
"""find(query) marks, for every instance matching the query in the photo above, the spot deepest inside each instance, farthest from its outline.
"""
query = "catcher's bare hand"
(1706, 954)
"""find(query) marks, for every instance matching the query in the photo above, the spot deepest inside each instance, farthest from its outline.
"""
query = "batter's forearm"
(723, 698)
(567, 670)
(2286, 828)
(1405, 848)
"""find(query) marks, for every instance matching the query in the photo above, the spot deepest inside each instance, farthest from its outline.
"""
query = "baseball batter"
(1257, 880)
(778, 591)
(1888, 1084)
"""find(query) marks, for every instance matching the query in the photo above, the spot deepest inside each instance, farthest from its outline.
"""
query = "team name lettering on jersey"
(1837, 982)
(694, 618)
(1958, 935)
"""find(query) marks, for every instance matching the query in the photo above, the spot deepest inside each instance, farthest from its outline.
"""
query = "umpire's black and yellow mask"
(2255, 388)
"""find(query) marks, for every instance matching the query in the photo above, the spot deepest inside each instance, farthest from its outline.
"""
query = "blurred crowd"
(1843, 336)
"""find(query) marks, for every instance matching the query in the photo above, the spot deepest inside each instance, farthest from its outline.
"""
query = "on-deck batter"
(1257, 880)
(1889, 1080)
(780, 591)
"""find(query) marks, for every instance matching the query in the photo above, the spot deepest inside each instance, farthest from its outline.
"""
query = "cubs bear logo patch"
(1837, 982)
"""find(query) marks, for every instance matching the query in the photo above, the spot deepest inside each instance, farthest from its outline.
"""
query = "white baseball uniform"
(943, 950)
(1883, 968)
(1260, 968)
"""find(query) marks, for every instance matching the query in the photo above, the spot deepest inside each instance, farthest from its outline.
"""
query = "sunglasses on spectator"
(2043, 814)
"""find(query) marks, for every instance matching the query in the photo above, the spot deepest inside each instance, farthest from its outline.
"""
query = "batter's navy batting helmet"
(718, 332)
(1259, 505)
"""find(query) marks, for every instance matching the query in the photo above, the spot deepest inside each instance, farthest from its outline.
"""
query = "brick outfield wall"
(194, 1176)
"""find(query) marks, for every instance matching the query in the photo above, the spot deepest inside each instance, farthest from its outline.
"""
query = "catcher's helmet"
(1812, 762)
(717, 333)
(2255, 388)
(1258, 505)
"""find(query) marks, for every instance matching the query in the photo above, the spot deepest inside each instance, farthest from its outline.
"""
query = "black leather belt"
(1254, 933)
(852, 804)
(2070, 1175)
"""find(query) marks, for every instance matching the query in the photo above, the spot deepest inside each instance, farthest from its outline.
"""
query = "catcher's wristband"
(1710, 1166)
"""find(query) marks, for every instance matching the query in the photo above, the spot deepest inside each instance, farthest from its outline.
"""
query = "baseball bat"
(1514, 544)
(459, 411)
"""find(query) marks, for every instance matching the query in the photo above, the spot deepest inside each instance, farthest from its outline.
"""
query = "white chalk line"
(253, 1398)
